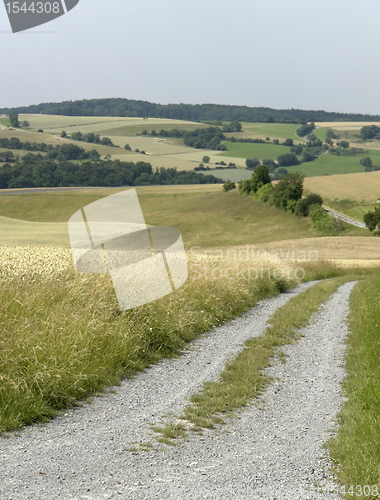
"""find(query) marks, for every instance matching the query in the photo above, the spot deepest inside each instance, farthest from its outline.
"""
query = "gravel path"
(272, 450)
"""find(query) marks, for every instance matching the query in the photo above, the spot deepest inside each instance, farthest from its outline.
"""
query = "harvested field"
(363, 186)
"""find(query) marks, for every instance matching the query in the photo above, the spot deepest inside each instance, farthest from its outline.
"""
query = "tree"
(271, 164)
(367, 163)
(372, 220)
(63, 134)
(330, 134)
(369, 132)
(289, 189)
(13, 118)
(127, 147)
(206, 159)
(287, 160)
(25, 124)
(252, 163)
(7, 156)
(245, 187)
(288, 142)
(260, 177)
(305, 129)
(229, 185)
(344, 144)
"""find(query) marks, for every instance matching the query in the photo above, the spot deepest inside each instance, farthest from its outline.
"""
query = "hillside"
(194, 112)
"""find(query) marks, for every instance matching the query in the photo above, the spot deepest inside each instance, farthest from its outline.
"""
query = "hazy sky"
(274, 53)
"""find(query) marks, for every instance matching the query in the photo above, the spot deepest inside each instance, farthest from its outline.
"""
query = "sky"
(275, 53)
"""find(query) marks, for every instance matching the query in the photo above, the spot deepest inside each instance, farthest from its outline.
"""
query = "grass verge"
(356, 448)
(243, 378)
(63, 336)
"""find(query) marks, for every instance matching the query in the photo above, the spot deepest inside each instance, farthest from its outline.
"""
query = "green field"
(248, 150)
(230, 174)
(331, 164)
(207, 219)
(272, 130)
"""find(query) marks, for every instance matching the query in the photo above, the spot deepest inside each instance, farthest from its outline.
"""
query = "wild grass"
(205, 218)
(63, 336)
(356, 448)
(243, 378)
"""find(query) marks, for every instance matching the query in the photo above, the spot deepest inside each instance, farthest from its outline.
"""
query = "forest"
(193, 112)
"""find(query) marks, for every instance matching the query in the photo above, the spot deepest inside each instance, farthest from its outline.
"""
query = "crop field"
(104, 125)
(360, 187)
(272, 130)
(172, 153)
(260, 151)
(27, 135)
(230, 174)
(329, 165)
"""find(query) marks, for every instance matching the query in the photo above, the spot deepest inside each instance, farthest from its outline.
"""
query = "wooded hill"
(192, 112)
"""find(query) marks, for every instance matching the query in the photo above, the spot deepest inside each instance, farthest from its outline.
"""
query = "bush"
(228, 186)
(245, 187)
(324, 222)
(264, 193)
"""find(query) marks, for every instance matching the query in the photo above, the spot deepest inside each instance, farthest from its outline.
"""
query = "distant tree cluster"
(91, 138)
(15, 143)
(285, 194)
(366, 161)
(306, 129)
(200, 138)
(197, 112)
(369, 132)
(48, 173)
(234, 126)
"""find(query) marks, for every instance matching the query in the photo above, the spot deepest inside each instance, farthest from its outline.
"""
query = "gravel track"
(271, 450)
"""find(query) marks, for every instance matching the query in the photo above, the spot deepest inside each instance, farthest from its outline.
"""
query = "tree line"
(192, 112)
(49, 173)
(287, 194)
(200, 138)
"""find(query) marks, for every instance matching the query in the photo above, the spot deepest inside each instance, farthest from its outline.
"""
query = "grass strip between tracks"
(243, 378)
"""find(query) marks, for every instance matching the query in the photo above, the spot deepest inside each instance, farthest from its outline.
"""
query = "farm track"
(344, 218)
(273, 450)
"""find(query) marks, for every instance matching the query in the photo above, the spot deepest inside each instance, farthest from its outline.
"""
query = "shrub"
(229, 185)
(264, 193)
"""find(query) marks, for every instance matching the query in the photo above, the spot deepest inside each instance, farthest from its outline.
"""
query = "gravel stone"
(271, 450)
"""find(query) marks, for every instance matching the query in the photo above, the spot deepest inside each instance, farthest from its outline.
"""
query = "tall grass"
(356, 448)
(63, 337)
